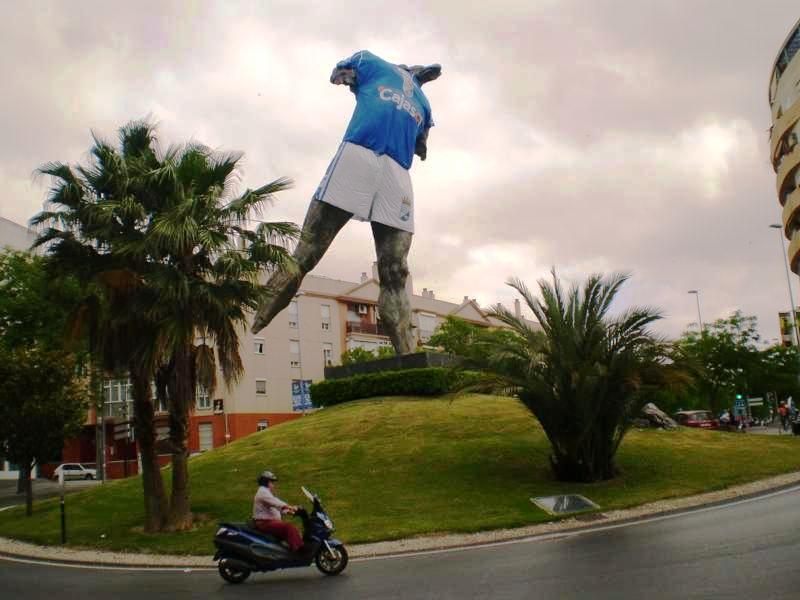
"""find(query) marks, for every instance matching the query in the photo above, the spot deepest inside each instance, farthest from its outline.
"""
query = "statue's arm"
(344, 76)
(346, 71)
(421, 147)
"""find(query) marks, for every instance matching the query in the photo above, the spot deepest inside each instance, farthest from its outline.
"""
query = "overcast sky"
(588, 135)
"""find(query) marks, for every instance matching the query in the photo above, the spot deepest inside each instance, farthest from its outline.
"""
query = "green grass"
(398, 467)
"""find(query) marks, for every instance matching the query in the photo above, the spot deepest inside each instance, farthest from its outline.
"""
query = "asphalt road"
(746, 550)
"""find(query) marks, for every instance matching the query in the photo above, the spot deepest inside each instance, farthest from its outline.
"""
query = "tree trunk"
(96, 387)
(587, 461)
(25, 469)
(155, 502)
(181, 398)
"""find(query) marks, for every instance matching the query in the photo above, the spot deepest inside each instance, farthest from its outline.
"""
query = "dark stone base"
(415, 360)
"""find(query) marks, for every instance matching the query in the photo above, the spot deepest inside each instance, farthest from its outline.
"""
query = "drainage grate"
(561, 505)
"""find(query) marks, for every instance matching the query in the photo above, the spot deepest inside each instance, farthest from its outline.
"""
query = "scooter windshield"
(310, 495)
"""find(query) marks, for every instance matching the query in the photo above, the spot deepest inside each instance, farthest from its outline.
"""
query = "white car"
(74, 471)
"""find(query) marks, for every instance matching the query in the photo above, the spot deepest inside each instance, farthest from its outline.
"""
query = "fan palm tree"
(206, 274)
(585, 375)
(165, 239)
(94, 212)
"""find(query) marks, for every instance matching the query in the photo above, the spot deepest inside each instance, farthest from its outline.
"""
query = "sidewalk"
(772, 429)
(42, 488)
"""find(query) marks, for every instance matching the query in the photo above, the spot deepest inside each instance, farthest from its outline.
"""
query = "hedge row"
(431, 381)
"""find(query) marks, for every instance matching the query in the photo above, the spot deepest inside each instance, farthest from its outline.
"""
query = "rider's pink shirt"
(266, 506)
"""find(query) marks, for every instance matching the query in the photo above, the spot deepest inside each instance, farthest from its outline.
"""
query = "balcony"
(794, 252)
(369, 328)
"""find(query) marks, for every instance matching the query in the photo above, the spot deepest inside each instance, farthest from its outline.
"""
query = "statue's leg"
(392, 246)
(322, 223)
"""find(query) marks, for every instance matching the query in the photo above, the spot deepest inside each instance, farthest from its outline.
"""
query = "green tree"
(724, 359)
(41, 405)
(455, 336)
(34, 309)
(205, 277)
(385, 352)
(357, 355)
(96, 213)
(585, 376)
(467, 340)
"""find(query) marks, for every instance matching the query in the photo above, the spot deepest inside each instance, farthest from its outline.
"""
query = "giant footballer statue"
(368, 180)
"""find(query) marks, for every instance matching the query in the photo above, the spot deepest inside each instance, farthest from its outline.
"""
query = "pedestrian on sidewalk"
(783, 411)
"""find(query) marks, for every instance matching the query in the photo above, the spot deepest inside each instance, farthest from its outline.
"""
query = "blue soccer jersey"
(391, 110)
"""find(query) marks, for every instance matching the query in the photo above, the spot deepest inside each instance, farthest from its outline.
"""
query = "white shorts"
(372, 187)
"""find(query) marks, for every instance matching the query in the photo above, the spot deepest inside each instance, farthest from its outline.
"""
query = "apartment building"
(15, 236)
(784, 99)
(326, 318)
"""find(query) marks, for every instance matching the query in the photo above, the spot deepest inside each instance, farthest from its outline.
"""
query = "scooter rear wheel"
(232, 574)
(332, 563)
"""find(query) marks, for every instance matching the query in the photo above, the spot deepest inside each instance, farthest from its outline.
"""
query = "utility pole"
(796, 340)
(699, 318)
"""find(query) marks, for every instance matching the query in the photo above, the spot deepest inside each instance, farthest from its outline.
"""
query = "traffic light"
(738, 396)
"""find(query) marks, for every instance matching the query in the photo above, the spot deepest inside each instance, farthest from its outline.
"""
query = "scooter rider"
(268, 509)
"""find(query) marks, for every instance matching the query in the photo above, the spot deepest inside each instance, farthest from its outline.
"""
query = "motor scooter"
(242, 549)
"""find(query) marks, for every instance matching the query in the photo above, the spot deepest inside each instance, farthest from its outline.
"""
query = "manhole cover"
(560, 505)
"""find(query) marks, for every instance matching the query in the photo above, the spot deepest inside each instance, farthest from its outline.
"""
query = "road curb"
(16, 550)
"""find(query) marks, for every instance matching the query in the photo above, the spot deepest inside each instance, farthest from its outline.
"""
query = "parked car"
(696, 418)
(75, 471)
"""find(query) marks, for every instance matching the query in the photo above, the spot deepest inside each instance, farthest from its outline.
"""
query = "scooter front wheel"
(333, 562)
(232, 574)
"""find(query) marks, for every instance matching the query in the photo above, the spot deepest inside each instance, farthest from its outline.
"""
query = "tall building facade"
(784, 99)
(15, 236)
(786, 327)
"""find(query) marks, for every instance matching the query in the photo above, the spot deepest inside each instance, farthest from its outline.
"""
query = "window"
(294, 353)
(203, 398)
(327, 354)
(258, 345)
(262, 425)
(159, 404)
(427, 325)
(206, 435)
(293, 314)
(261, 386)
(326, 316)
(118, 399)
(363, 309)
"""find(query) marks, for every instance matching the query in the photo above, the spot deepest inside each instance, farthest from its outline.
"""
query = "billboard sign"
(301, 394)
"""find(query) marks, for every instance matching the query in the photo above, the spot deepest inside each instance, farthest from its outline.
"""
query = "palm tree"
(97, 211)
(165, 241)
(584, 376)
(206, 275)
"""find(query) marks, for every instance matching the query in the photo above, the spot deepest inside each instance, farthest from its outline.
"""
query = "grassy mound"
(397, 467)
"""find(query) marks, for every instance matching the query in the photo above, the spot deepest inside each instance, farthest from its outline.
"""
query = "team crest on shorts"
(405, 209)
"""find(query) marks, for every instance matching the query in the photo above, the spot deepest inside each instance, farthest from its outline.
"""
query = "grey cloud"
(546, 113)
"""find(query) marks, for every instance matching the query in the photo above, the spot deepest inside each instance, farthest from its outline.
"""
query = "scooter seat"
(251, 529)
(264, 536)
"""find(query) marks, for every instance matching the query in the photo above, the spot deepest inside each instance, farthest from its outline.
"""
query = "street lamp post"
(789, 285)
(699, 318)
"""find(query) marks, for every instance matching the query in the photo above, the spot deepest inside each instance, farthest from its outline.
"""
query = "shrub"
(431, 381)
(360, 355)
